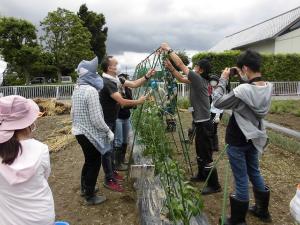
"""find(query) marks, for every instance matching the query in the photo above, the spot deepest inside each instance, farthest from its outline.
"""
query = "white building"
(280, 34)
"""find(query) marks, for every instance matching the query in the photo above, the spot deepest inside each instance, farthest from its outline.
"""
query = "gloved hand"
(216, 119)
(111, 136)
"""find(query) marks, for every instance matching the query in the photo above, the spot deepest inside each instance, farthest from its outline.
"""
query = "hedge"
(275, 67)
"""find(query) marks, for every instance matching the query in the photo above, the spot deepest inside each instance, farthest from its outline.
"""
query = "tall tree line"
(66, 39)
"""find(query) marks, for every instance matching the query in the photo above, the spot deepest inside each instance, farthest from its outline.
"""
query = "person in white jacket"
(215, 114)
(25, 196)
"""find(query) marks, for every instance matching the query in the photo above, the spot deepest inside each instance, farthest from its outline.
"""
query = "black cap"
(205, 65)
(214, 77)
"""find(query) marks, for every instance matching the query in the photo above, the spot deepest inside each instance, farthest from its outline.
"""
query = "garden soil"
(279, 167)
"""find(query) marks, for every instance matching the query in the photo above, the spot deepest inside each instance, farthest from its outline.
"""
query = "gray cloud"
(141, 25)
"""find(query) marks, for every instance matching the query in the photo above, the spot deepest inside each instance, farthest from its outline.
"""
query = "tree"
(96, 25)
(183, 56)
(18, 45)
(66, 38)
(44, 66)
(26, 57)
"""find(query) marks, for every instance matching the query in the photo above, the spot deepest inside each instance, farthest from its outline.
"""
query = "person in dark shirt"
(111, 101)
(123, 128)
(246, 136)
(199, 98)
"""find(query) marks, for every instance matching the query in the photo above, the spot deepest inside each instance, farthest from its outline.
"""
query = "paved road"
(286, 97)
(287, 131)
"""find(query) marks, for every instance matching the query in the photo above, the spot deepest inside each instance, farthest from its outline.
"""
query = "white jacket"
(25, 196)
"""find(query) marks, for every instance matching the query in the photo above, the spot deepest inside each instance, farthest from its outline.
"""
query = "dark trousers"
(92, 163)
(203, 141)
(108, 158)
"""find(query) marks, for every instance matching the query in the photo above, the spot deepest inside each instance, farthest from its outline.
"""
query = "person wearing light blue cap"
(89, 127)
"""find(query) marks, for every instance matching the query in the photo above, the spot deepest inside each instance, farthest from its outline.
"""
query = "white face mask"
(213, 83)
(244, 78)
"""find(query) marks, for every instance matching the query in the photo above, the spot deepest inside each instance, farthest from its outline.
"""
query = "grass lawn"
(286, 106)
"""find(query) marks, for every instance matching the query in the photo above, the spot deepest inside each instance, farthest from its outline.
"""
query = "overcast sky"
(137, 27)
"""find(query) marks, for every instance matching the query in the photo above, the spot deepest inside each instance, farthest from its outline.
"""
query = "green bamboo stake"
(185, 149)
(214, 165)
(185, 217)
(225, 195)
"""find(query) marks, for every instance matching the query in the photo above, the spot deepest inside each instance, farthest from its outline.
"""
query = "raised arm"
(127, 102)
(175, 73)
(175, 58)
(139, 82)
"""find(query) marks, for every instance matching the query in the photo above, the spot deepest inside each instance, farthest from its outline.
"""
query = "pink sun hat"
(16, 112)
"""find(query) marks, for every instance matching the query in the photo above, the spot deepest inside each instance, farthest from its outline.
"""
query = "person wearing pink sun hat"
(25, 195)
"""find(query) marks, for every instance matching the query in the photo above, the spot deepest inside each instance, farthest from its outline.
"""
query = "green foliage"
(14, 34)
(275, 67)
(183, 103)
(18, 45)
(286, 106)
(284, 142)
(225, 119)
(182, 55)
(44, 66)
(66, 38)
(95, 23)
(182, 200)
(11, 79)
(26, 58)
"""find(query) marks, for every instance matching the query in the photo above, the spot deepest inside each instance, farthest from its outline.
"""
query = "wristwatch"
(170, 51)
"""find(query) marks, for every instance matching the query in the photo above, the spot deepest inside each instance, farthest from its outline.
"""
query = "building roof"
(265, 30)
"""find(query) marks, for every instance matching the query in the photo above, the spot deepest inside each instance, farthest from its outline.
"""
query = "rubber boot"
(213, 185)
(119, 166)
(83, 187)
(260, 209)
(91, 198)
(83, 191)
(238, 212)
(123, 153)
(200, 176)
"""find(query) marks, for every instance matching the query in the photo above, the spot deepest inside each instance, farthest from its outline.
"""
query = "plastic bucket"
(61, 223)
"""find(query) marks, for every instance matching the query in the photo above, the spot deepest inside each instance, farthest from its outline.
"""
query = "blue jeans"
(123, 127)
(245, 164)
(108, 157)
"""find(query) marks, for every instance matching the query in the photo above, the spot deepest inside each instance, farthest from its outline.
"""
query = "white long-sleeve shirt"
(25, 196)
